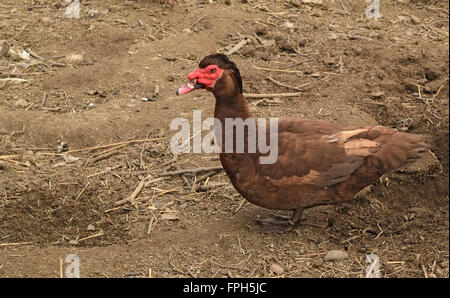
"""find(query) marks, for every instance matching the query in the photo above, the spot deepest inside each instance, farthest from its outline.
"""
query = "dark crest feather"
(223, 62)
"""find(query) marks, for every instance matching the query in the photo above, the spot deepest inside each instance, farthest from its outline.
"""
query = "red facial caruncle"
(202, 78)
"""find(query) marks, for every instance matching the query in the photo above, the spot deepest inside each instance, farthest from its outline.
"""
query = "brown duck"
(319, 162)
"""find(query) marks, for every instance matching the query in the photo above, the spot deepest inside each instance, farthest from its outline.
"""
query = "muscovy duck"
(319, 162)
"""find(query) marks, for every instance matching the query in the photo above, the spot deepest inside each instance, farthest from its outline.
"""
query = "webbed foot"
(280, 223)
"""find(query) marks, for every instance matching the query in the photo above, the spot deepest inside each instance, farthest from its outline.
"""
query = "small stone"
(415, 20)
(248, 52)
(364, 192)
(74, 242)
(335, 255)
(264, 56)
(377, 94)
(316, 12)
(62, 147)
(268, 43)
(75, 58)
(253, 40)
(46, 20)
(261, 30)
(288, 46)
(93, 13)
(294, 3)
(333, 36)
(92, 92)
(148, 98)
(3, 165)
(187, 31)
(329, 61)
(69, 158)
(277, 269)
(373, 24)
(288, 25)
(402, 18)
(317, 262)
(121, 21)
(90, 227)
(169, 216)
(21, 103)
(4, 48)
(431, 75)
(228, 2)
(302, 42)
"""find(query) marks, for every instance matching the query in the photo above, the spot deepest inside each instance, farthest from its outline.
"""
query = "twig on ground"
(286, 86)
(277, 70)
(150, 225)
(300, 63)
(103, 156)
(101, 233)
(238, 46)
(131, 198)
(14, 80)
(141, 165)
(192, 171)
(81, 192)
(15, 244)
(240, 206)
(271, 95)
(61, 265)
(108, 170)
(109, 145)
(205, 176)
(111, 149)
(425, 274)
(43, 100)
(343, 7)
(210, 186)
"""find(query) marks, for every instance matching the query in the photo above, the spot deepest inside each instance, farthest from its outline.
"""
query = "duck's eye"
(212, 70)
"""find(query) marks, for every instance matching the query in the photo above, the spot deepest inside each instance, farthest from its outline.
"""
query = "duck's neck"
(231, 107)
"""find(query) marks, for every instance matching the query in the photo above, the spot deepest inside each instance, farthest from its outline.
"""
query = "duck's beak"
(191, 85)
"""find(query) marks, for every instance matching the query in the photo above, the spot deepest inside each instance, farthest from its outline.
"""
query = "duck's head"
(215, 73)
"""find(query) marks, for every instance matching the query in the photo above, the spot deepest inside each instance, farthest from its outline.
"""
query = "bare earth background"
(350, 69)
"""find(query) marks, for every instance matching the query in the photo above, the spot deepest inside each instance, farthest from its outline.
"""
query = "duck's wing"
(323, 154)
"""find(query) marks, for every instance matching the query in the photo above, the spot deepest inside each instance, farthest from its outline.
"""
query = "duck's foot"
(279, 223)
(272, 225)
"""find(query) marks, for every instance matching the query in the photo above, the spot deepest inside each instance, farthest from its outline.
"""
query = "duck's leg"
(297, 216)
(280, 223)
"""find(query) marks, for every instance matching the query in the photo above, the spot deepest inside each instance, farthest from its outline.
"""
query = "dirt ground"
(84, 85)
